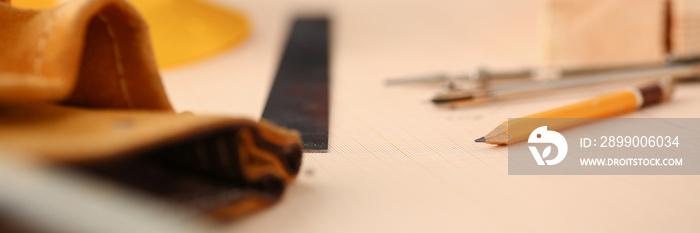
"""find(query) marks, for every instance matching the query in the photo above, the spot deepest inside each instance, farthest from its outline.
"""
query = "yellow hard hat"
(182, 31)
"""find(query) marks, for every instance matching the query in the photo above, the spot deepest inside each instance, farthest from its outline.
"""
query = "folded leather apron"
(79, 88)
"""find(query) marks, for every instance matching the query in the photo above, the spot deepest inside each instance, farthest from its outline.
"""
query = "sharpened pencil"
(605, 106)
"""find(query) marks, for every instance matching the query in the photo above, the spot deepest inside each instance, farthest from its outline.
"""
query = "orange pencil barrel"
(604, 106)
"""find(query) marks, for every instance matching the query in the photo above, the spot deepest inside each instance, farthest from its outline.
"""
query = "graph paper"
(396, 163)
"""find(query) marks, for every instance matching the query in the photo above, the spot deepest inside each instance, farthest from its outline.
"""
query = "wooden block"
(583, 32)
(685, 28)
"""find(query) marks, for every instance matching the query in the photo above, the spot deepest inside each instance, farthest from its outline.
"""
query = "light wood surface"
(581, 32)
(398, 164)
(684, 32)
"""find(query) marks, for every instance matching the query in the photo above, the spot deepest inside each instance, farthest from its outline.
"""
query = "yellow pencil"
(605, 106)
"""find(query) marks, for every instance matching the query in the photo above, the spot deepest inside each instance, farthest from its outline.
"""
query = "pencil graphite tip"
(481, 139)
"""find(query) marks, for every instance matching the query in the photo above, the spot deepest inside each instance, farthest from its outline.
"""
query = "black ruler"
(299, 96)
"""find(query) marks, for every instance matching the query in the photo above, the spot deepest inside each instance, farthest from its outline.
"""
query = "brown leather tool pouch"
(79, 88)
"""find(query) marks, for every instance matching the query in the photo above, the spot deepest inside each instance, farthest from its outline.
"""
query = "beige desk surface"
(398, 164)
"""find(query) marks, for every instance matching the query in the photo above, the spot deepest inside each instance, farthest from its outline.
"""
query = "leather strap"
(79, 87)
(91, 53)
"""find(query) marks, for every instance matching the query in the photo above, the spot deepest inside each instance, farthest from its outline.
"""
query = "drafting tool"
(299, 96)
(605, 106)
(684, 69)
(485, 76)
